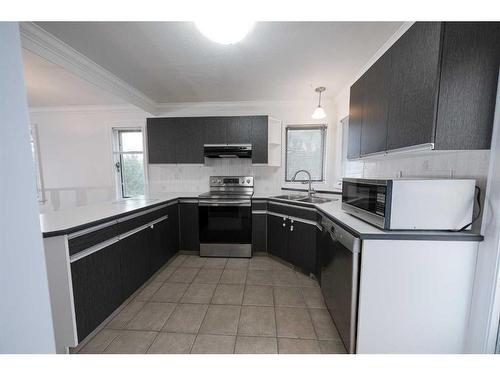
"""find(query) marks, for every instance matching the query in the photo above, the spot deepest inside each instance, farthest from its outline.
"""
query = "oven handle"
(233, 203)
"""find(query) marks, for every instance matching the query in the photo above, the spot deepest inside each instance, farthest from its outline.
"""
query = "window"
(129, 162)
(35, 151)
(305, 149)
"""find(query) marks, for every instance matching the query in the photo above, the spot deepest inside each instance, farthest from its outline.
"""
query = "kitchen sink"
(305, 198)
(291, 197)
(316, 200)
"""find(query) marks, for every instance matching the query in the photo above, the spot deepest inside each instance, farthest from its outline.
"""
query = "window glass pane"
(132, 171)
(131, 140)
(304, 151)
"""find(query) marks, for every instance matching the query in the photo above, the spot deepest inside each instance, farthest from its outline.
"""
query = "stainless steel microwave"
(410, 204)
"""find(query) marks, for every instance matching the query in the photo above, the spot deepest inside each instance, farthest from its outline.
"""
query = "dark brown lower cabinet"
(293, 241)
(134, 261)
(189, 227)
(259, 233)
(97, 288)
(302, 246)
(277, 236)
(173, 229)
(158, 246)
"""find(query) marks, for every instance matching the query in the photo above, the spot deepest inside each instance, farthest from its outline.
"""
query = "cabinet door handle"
(291, 228)
(284, 224)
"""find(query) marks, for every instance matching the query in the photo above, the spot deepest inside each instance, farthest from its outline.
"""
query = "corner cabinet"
(110, 263)
(292, 233)
(435, 88)
(180, 140)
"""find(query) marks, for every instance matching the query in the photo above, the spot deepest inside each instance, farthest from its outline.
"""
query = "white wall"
(76, 152)
(25, 315)
(75, 146)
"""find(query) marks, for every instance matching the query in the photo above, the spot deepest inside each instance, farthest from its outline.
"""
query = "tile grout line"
(312, 322)
(275, 322)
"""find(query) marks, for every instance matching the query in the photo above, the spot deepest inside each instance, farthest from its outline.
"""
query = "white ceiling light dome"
(225, 31)
(319, 113)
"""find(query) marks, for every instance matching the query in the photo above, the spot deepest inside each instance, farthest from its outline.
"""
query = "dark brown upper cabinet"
(413, 86)
(181, 139)
(435, 86)
(163, 135)
(215, 130)
(468, 86)
(355, 118)
(375, 106)
(259, 138)
(239, 130)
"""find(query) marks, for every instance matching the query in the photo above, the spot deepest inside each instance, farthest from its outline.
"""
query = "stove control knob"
(248, 181)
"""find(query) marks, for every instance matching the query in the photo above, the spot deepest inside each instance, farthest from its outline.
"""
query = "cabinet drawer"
(126, 225)
(296, 211)
(91, 237)
(259, 205)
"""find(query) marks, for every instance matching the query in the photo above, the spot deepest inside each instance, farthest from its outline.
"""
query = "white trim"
(122, 108)
(44, 44)
(485, 309)
(38, 163)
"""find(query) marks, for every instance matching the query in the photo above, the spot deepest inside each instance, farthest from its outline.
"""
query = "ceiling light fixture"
(224, 32)
(319, 112)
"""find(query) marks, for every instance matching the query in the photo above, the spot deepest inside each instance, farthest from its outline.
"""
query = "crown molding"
(115, 108)
(40, 42)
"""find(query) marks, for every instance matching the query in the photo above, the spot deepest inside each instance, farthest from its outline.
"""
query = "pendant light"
(319, 112)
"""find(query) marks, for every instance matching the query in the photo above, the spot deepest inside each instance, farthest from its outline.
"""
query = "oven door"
(366, 199)
(225, 228)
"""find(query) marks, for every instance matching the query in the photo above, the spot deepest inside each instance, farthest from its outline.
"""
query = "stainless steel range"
(225, 215)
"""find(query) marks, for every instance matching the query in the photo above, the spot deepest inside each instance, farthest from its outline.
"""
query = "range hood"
(228, 151)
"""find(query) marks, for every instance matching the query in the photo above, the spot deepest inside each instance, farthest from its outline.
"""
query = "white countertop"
(64, 220)
(67, 220)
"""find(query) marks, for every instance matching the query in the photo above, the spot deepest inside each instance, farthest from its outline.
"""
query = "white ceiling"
(48, 84)
(172, 62)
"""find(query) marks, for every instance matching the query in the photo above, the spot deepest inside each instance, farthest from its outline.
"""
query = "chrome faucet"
(310, 192)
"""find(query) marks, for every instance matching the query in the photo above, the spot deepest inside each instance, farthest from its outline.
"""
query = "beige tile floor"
(218, 305)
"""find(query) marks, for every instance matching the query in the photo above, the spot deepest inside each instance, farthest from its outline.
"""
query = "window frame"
(323, 128)
(117, 158)
(35, 144)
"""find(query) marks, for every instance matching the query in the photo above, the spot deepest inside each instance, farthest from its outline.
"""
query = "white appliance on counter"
(410, 204)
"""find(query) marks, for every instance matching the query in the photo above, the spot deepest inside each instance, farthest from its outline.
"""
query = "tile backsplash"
(194, 177)
(434, 164)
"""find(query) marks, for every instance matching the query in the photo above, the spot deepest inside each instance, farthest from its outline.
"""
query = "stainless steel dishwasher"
(340, 262)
